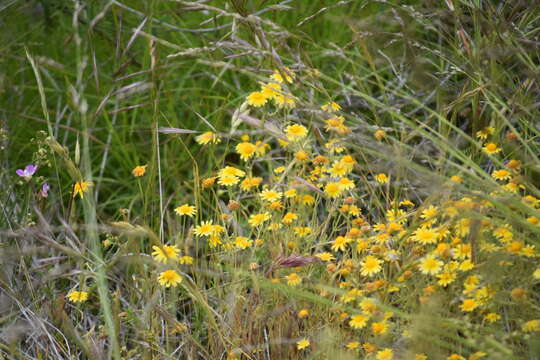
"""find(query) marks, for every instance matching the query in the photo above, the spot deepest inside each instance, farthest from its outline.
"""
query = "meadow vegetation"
(270, 180)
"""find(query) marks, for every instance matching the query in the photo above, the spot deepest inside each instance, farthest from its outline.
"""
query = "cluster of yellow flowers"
(298, 193)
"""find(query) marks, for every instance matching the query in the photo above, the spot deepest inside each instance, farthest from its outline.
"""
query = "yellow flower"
(379, 328)
(295, 132)
(271, 195)
(165, 253)
(485, 132)
(293, 279)
(205, 229)
(430, 266)
(271, 90)
(501, 174)
(337, 124)
(491, 148)
(301, 155)
(330, 107)
(382, 178)
(446, 278)
(370, 266)
(492, 317)
(346, 184)
(289, 76)
(285, 101)
(81, 187)
(246, 150)
(186, 260)
(303, 313)
(456, 179)
(302, 231)
(289, 218)
(188, 210)
(420, 357)
(290, 193)
(169, 278)
(358, 321)
(302, 344)
(139, 170)
(257, 219)
(249, 183)
(379, 134)
(353, 345)
(207, 137)
(77, 296)
(340, 243)
(257, 99)
(279, 169)
(385, 354)
(468, 305)
(530, 326)
(325, 256)
(425, 235)
(228, 180)
(208, 182)
(333, 189)
(242, 242)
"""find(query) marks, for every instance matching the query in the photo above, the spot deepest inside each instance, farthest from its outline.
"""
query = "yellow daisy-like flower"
(501, 174)
(289, 218)
(249, 183)
(333, 189)
(81, 187)
(468, 305)
(379, 134)
(492, 317)
(231, 171)
(258, 219)
(257, 99)
(531, 326)
(293, 279)
(207, 138)
(289, 76)
(485, 132)
(186, 260)
(456, 179)
(425, 235)
(325, 256)
(346, 184)
(242, 242)
(302, 231)
(169, 278)
(358, 321)
(296, 132)
(353, 345)
(330, 107)
(302, 344)
(206, 228)
(246, 150)
(271, 195)
(370, 266)
(77, 296)
(491, 148)
(165, 253)
(228, 180)
(139, 171)
(186, 209)
(340, 243)
(446, 278)
(379, 328)
(385, 354)
(382, 178)
(271, 90)
(429, 265)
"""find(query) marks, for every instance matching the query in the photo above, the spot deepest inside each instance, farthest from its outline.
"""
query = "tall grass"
(90, 90)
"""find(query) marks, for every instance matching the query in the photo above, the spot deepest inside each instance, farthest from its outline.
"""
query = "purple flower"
(44, 192)
(28, 171)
